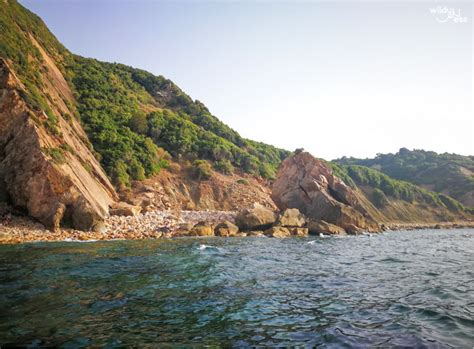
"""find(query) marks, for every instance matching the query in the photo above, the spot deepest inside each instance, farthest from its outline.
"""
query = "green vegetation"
(128, 113)
(385, 187)
(224, 166)
(109, 108)
(57, 154)
(186, 127)
(16, 23)
(111, 102)
(243, 181)
(447, 173)
(378, 198)
(202, 169)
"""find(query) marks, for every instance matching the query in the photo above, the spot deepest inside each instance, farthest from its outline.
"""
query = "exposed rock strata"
(51, 190)
(308, 184)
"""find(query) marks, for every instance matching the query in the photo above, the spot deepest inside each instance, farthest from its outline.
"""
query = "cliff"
(49, 171)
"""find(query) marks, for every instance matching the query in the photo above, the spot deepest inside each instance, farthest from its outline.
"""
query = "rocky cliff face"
(50, 174)
(308, 184)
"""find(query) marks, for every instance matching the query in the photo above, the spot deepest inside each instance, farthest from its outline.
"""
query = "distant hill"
(450, 174)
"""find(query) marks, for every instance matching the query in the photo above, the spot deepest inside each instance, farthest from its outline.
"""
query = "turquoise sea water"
(396, 289)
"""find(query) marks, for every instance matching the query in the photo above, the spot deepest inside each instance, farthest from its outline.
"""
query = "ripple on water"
(411, 289)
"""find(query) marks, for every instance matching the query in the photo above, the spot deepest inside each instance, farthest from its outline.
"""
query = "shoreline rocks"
(317, 227)
(257, 217)
(175, 224)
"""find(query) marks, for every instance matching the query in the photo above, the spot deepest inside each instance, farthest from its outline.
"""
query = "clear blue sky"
(337, 78)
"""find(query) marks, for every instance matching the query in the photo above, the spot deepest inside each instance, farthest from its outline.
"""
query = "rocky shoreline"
(169, 224)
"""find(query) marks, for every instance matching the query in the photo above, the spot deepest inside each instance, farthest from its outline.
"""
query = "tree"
(138, 123)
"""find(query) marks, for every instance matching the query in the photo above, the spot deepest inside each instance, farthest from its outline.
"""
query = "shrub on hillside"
(378, 198)
(202, 169)
(224, 166)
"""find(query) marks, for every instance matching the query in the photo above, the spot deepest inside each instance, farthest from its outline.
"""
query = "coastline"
(153, 225)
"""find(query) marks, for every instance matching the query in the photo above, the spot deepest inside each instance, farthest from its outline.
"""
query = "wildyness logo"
(443, 14)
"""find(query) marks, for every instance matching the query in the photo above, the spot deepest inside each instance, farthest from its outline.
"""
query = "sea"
(395, 289)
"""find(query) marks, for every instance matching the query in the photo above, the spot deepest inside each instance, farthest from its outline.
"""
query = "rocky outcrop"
(291, 217)
(308, 184)
(256, 217)
(49, 172)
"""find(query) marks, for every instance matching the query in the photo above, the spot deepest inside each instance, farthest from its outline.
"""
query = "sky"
(344, 78)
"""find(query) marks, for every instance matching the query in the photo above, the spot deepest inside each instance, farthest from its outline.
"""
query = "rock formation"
(44, 172)
(256, 217)
(317, 227)
(226, 228)
(308, 184)
(291, 217)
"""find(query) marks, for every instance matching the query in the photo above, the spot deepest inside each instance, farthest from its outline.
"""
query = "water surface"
(396, 289)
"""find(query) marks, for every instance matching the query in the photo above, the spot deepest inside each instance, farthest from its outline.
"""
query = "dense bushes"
(441, 172)
(113, 120)
(111, 103)
(385, 187)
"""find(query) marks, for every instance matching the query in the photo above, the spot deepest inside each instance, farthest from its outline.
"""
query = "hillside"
(450, 174)
(78, 135)
(357, 198)
(401, 201)
(128, 113)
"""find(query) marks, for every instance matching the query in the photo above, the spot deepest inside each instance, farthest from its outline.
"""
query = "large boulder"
(226, 228)
(317, 227)
(124, 209)
(308, 184)
(291, 217)
(256, 217)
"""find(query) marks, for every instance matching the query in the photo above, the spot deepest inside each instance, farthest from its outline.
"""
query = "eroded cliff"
(47, 167)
